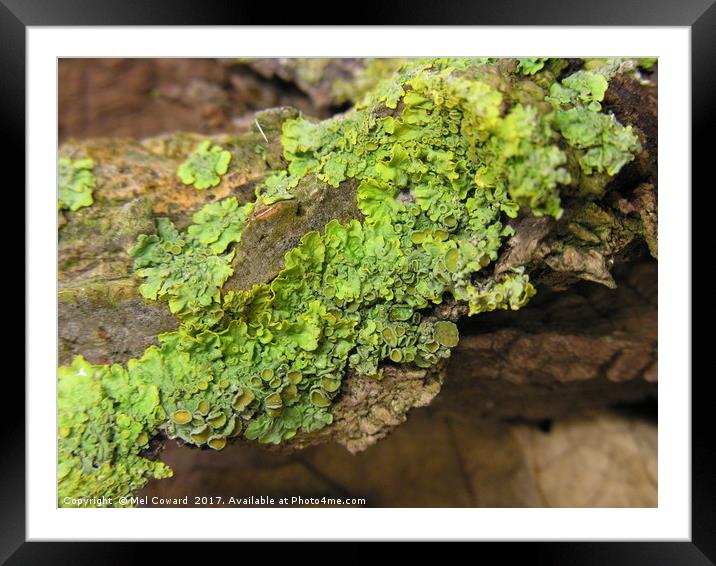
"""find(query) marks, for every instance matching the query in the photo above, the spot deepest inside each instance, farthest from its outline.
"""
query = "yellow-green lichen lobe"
(205, 166)
(601, 143)
(76, 183)
(530, 65)
(190, 268)
(105, 421)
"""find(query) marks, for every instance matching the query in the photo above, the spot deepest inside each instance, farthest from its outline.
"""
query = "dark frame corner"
(699, 15)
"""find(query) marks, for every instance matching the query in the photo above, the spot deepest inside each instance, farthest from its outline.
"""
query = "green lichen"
(606, 145)
(450, 135)
(76, 183)
(350, 298)
(275, 188)
(603, 145)
(442, 153)
(189, 269)
(205, 166)
(530, 65)
(220, 224)
(105, 421)
(347, 298)
(583, 87)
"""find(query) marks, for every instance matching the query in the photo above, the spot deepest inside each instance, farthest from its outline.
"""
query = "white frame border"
(670, 521)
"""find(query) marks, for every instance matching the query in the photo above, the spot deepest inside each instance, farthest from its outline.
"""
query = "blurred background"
(552, 406)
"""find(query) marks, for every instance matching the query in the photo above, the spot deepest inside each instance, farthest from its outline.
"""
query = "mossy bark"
(103, 316)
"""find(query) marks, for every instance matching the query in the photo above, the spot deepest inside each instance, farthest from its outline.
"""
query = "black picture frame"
(699, 15)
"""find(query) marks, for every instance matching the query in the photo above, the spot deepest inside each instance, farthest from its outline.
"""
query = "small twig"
(260, 129)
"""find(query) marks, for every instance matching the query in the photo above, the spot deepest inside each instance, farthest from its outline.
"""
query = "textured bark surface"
(587, 341)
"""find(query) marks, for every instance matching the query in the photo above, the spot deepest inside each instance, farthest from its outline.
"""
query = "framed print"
(367, 282)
